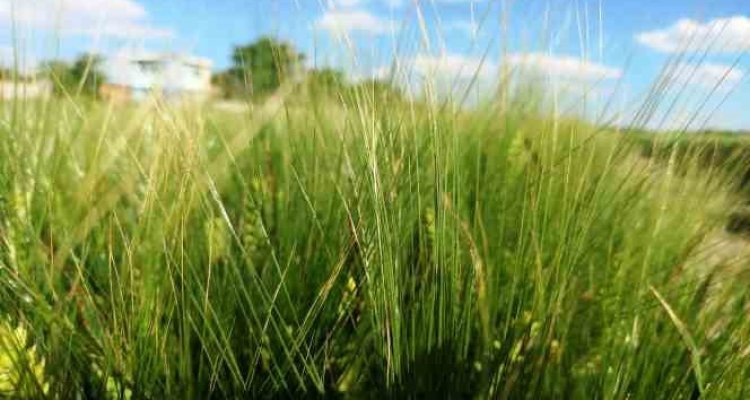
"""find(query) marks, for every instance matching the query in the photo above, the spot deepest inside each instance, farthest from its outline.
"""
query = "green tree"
(87, 72)
(11, 74)
(228, 84)
(379, 90)
(326, 80)
(260, 67)
(58, 72)
(83, 77)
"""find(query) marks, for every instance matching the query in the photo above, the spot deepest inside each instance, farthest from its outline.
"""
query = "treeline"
(83, 76)
(257, 70)
(261, 67)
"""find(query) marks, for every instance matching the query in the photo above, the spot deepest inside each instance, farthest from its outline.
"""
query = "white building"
(137, 75)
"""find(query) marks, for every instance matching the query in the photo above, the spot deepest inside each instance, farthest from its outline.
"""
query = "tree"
(11, 74)
(380, 91)
(326, 80)
(84, 76)
(260, 67)
(229, 85)
(87, 72)
(58, 72)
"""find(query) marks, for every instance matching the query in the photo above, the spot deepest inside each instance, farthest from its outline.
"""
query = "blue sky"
(609, 46)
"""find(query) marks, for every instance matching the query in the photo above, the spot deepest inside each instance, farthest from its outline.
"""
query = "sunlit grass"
(350, 243)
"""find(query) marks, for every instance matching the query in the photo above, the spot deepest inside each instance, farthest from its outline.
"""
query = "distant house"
(135, 76)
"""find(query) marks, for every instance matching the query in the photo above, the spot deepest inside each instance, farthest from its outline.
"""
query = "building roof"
(164, 57)
(169, 71)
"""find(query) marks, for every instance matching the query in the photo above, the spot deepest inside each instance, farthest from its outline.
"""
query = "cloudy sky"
(605, 49)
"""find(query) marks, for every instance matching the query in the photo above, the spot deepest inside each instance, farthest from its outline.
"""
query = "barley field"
(330, 241)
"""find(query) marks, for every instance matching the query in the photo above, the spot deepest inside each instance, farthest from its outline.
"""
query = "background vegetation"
(343, 241)
(83, 77)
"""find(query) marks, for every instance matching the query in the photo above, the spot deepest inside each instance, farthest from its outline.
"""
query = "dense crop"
(358, 245)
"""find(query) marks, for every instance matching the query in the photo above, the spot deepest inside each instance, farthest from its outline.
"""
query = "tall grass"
(357, 245)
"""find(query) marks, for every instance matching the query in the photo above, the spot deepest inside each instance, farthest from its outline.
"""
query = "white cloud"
(392, 3)
(395, 3)
(562, 67)
(110, 18)
(443, 76)
(706, 75)
(451, 74)
(467, 67)
(344, 3)
(347, 21)
(335, 4)
(453, 66)
(722, 35)
(468, 27)
(381, 73)
(127, 29)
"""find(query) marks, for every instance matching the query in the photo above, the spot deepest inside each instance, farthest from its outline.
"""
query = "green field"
(358, 245)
